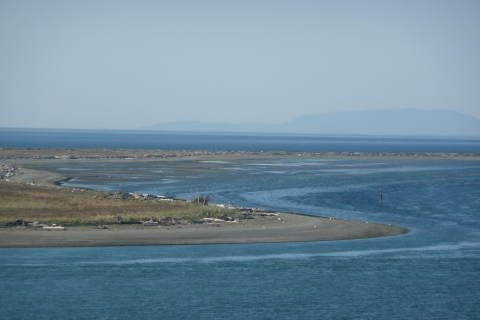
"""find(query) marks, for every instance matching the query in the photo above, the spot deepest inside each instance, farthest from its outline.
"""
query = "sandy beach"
(38, 177)
(292, 228)
(286, 227)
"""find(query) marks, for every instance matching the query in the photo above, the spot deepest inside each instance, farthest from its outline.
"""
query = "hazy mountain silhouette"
(404, 122)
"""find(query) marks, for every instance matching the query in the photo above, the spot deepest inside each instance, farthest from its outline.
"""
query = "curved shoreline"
(287, 227)
(38, 177)
(292, 228)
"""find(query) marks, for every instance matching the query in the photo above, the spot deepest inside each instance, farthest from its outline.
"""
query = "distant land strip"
(95, 154)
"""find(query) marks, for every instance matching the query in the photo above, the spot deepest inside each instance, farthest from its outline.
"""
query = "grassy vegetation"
(73, 207)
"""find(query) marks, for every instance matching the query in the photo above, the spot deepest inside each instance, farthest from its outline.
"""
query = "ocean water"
(433, 272)
(63, 138)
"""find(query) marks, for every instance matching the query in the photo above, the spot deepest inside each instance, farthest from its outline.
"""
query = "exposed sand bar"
(39, 177)
(288, 228)
(7, 154)
(293, 228)
(36, 157)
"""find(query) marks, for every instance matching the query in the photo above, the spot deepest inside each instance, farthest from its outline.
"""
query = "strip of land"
(292, 228)
(7, 154)
(34, 196)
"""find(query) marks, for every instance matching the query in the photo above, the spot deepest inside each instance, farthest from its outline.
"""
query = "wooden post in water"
(381, 195)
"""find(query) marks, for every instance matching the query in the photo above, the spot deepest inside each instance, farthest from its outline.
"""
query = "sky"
(128, 64)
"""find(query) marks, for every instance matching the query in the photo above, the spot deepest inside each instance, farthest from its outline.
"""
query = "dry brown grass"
(84, 207)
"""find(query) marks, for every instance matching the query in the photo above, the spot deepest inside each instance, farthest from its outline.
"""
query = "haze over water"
(131, 139)
(431, 272)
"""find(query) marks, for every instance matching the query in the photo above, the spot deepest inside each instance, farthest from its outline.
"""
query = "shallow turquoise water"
(432, 272)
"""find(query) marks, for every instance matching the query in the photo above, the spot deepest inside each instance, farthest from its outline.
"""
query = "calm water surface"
(58, 138)
(431, 273)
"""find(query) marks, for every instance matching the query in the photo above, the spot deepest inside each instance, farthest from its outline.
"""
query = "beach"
(433, 265)
(282, 227)
(292, 228)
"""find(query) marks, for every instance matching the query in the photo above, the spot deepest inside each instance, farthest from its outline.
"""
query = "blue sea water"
(63, 138)
(433, 272)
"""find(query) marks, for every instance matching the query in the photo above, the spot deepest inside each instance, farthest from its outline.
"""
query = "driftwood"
(18, 222)
(202, 199)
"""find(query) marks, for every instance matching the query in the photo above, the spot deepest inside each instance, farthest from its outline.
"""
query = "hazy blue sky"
(128, 64)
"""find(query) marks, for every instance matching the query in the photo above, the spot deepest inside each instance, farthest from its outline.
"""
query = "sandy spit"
(291, 228)
(286, 227)
(38, 177)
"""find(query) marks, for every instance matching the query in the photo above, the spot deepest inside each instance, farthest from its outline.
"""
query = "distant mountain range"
(401, 122)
